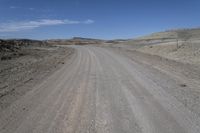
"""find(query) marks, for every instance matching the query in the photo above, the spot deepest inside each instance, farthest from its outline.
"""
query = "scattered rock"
(183, 85)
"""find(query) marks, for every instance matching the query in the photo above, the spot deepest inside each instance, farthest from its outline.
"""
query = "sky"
(103, 19)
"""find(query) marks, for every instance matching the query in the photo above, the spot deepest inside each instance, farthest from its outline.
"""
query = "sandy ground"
(109, 90)
(188, 52)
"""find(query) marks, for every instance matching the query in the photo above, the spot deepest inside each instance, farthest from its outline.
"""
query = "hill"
(75, 41)
(182, 45)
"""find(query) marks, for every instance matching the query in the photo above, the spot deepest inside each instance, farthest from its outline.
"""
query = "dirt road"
(101, 91)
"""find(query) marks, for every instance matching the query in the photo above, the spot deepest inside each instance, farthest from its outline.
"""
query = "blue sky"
(104, 19)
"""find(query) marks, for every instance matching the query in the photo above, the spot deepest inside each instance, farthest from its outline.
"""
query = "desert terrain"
(149, 84)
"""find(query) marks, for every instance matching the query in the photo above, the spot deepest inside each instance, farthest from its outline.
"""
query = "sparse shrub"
(6, 58)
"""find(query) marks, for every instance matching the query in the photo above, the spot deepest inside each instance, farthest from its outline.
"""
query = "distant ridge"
(172, 34)
(75, 41)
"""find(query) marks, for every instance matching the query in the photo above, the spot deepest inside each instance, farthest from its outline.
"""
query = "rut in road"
(100, 91)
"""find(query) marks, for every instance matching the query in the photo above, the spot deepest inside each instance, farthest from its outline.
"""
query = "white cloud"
(26, 8)
(13, 7)
(66, 21)
(89, 21)
(31, 8)
(28, 25)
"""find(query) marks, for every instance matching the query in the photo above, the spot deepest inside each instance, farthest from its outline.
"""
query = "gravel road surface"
(101, 91)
